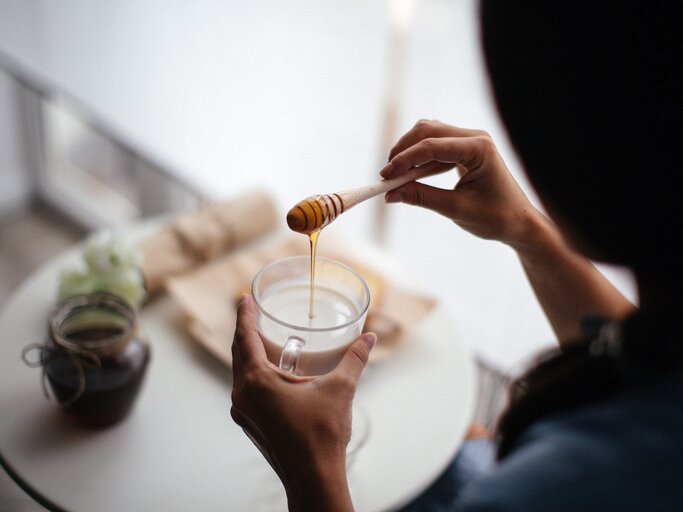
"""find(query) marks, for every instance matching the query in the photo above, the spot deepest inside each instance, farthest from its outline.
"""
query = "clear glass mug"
(295, 342)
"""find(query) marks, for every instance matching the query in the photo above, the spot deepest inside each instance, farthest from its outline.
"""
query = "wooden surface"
(316, 212)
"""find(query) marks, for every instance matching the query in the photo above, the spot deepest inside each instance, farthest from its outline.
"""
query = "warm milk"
(288, 302)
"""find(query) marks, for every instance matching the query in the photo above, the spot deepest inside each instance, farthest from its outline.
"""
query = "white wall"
(15, 181)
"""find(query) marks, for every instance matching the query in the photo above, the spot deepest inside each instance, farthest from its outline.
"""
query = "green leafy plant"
(111, 266)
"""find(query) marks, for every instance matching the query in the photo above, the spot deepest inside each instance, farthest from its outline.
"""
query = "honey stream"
(313, 241)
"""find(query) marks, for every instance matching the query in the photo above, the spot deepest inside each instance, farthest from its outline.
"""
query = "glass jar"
(96, 358)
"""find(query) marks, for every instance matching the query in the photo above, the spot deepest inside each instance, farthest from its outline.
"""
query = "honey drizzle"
(313, 241)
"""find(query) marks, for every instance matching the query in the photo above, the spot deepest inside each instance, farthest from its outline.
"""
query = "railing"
(81, 166)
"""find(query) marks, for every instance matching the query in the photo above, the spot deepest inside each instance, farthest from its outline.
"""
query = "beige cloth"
(203, 235)
(208, 295)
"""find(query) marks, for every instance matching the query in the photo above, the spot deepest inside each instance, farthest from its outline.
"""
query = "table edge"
(30, 491)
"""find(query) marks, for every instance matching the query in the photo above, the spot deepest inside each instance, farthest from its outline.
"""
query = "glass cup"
(295, 342)
(310, 346)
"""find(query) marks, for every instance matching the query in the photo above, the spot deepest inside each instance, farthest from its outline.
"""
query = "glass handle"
(289, 359)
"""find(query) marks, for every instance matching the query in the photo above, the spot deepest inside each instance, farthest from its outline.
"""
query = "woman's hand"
(486, 201)
(300, 424)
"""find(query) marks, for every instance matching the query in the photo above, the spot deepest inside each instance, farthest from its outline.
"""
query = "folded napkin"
(208, 294)
(200, 236)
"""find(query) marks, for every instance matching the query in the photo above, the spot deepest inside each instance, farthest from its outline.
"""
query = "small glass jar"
(96, 359)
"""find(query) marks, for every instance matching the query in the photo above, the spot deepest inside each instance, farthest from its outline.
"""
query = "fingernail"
(393, 197)
(385, 170)
(369, 338)
(243, 299)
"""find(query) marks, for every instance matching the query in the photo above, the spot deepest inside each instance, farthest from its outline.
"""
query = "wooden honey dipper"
(316, 212)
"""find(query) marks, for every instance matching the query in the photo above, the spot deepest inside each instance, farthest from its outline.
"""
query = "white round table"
(179, 449)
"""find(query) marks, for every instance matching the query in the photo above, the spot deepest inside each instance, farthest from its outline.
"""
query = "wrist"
(535, 233)
(319, 483)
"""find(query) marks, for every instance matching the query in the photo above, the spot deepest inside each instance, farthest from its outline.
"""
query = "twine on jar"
(84, 355)
(81, 360)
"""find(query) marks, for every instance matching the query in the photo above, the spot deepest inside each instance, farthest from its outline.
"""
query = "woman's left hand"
(301, 425)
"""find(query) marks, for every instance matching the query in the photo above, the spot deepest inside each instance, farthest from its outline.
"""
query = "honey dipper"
(316, 212)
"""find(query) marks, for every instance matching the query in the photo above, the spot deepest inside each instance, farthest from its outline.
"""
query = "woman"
(588, 93)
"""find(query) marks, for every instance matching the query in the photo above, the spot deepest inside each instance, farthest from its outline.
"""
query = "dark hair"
(590, 93)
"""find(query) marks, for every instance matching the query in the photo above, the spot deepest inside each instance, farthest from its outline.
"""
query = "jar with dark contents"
(96, 358)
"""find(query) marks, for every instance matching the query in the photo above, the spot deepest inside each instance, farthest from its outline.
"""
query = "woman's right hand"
(486, 201)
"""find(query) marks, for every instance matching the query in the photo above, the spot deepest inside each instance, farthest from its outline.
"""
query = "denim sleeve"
(474, 460)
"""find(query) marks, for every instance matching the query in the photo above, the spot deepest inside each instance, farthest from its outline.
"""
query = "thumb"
(418, 194)
(356, 357)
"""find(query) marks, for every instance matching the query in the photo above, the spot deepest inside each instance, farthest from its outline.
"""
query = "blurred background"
(114, 112)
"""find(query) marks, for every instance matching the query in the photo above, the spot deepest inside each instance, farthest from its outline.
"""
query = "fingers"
(469, 152)
(433, 168)
(247, 347)
(422, 153)
(352, 364)
(418, 194)
(424, 129)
